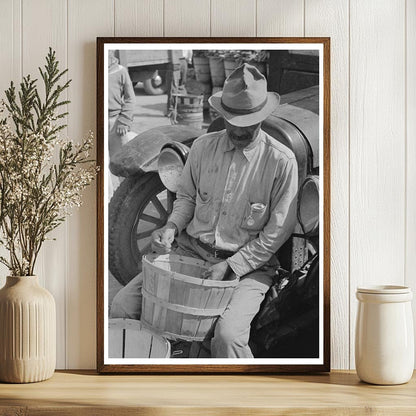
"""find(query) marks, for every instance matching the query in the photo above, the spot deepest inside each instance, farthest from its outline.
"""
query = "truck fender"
(140, 154)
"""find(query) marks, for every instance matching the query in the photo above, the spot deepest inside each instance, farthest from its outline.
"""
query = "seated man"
(235, 206)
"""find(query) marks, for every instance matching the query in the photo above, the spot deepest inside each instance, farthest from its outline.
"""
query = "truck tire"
(156, 85)
(139, 206)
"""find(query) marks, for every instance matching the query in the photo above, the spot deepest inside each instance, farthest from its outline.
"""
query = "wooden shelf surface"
(87, 393)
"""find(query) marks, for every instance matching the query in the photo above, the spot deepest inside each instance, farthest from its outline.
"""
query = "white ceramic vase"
(384, 342)
(27, 331)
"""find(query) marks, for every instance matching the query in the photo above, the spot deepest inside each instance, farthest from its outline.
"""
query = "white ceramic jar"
(384, 338)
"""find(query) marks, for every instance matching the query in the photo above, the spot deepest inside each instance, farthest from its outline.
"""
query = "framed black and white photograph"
(213, 205)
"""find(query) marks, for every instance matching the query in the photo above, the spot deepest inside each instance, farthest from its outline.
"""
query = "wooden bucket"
(194, 120)
(216, 67)
(201, 66)
(128, 339)
(177, 303)
(190, 111)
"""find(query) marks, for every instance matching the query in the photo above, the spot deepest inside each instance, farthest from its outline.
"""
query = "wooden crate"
(128, 339)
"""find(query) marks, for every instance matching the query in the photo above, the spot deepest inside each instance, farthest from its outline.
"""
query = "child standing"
(120, 104)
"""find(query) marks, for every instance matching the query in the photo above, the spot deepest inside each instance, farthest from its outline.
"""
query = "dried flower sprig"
(41, 176)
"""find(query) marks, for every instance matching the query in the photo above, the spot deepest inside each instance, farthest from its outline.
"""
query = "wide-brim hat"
(244, 100)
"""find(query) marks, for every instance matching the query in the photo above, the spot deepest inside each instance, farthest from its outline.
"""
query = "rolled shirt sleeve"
(279, 227)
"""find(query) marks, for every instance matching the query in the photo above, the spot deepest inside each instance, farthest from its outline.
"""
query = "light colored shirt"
(241, 200)
(121, 97)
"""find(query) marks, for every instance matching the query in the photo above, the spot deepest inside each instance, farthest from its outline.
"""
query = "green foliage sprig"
(42, 176)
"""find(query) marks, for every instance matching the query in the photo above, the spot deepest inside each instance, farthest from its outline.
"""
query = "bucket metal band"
(170, 335)
(180, 308)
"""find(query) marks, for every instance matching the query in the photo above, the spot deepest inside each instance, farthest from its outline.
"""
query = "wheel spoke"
(160, 208)
(145, 234)
(149, 218)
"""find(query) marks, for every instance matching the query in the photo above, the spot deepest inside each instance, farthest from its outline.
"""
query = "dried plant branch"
(41, 176)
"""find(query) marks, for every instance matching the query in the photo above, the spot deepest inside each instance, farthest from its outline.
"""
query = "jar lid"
(384, 289)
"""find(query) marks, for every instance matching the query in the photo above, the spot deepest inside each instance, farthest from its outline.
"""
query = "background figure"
(184, 62)
(176, 79)
(121, 99)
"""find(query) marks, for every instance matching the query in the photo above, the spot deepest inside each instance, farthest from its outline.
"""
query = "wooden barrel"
(128, 339)
(177, 303)
(308, 202)
(194, 120)
(230, 65)
(216, 67)
(202, 71)
(190, 111)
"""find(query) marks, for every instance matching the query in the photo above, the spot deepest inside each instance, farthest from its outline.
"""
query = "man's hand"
(163, 238)
(122, 129)
(217, 271)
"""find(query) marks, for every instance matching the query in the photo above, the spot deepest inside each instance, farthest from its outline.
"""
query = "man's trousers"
(232, 329)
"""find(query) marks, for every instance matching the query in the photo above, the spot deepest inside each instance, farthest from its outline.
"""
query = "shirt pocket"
(255, 216)
(203, 207)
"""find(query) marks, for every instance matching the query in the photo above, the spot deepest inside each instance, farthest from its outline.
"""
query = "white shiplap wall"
(373, 129)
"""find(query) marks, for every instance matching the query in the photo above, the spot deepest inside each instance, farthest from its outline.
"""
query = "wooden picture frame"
(299, 70)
